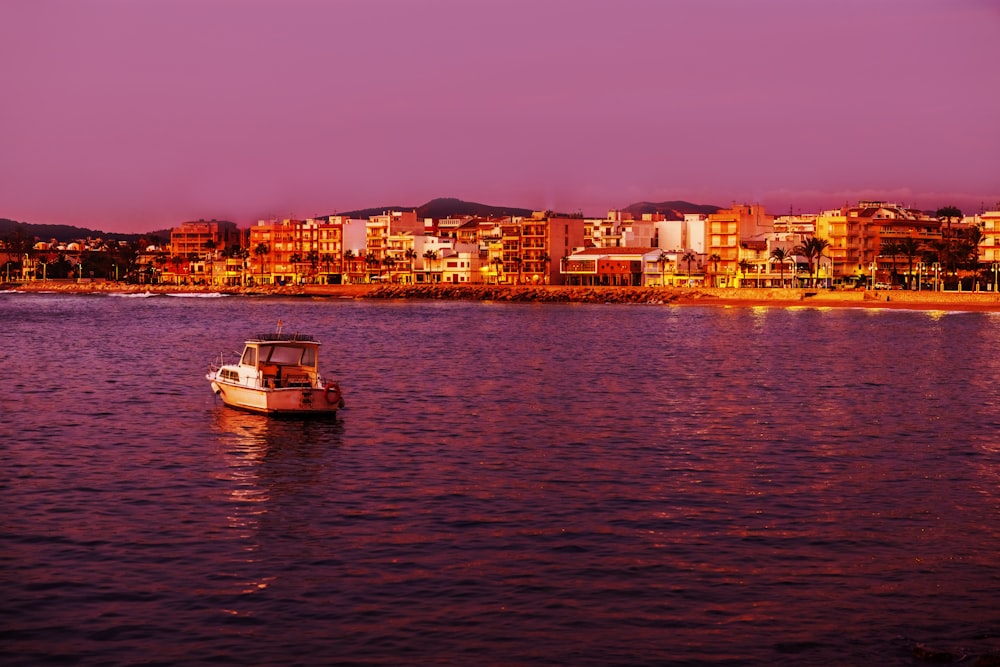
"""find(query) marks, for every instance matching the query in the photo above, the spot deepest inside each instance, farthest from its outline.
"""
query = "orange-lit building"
(616, 267)
(532, 248)
(725, 230)
(859, 235)
(195, 239)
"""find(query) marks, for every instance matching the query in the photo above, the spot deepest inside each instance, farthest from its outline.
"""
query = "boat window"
(249, 356)
(309, 356)
(282, 354)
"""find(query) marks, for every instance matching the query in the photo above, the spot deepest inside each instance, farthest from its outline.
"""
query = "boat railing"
(281, 337)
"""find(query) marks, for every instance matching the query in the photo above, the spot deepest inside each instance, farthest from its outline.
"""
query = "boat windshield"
(288, 354)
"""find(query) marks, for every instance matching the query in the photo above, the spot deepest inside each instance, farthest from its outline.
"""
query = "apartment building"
(529, 249)
(616, 266)
(195, 239)
(726, 229)
(872, 229)
(686, 234)
(989, 249)
(380, 227)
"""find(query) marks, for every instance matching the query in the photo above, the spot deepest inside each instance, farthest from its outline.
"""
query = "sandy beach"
(732, 298)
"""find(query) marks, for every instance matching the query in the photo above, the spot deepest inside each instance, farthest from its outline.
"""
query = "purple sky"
(134, 115)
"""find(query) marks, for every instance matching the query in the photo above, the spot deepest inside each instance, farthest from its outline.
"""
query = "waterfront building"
(285, 252)
(196, 239)
(605, 233)
(535, 243)
(463, 264)
(844, 235)
(198, 251)
(324, 254)
(400, 258)
(615, 267)
(529, 249)
(881, 238)
(620, 229)
(685, 234)
(989, 249)
(726, 229)
(379, 228)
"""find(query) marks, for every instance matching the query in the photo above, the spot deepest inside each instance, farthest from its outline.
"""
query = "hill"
(444, 207)
(673, 210)
(67, 233)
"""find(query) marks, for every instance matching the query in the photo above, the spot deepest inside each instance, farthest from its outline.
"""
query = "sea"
(508, 484)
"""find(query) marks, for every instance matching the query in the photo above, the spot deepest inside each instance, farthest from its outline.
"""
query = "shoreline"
(720, 297)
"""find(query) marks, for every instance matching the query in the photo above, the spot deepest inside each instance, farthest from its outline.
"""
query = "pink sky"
(135, 115)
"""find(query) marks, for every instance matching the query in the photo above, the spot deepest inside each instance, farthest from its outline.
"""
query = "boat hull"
(285, 401)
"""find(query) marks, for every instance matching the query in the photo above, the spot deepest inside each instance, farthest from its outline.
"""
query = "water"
(510, 484)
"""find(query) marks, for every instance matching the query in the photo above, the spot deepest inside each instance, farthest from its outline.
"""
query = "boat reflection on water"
(271, 463)
(255, 437)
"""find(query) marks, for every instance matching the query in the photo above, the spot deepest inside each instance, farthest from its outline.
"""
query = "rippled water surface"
(509, 484)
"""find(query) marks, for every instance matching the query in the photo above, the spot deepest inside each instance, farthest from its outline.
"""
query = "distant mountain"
(673, 210)
(444, 207)
(66, 233)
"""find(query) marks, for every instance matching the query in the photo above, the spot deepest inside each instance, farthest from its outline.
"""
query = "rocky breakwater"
(98, 287)
(528, 293)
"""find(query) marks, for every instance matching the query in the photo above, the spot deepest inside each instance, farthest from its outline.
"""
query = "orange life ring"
(332, 393)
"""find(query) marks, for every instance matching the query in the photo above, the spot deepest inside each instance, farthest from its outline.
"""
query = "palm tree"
(910, 247)
(241, 253)
(689, 257)
(313, 258)
(662, 259)
(812, 249)
(348, 260)
(517, 262)
(780, 255)
(890, 249)
(714, 258)
(544, 259)
(973, 239)
(497, 262)
(430, 256)
(295, 260)
(161, 261)
(177, 261)
(410, 255)
(260, 250)
(389, 262)
(327, 259)
(371, 260)
(947, 214)
(745, 265)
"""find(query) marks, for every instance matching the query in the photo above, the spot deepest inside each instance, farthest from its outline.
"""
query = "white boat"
(277, 374)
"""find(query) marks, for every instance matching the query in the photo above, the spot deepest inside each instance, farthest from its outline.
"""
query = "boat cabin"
(281, 360)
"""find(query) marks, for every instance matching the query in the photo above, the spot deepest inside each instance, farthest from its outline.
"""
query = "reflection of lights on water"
(243, 438)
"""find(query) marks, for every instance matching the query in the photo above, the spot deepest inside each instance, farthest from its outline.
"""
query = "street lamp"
(873, 267)
(996, 267)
